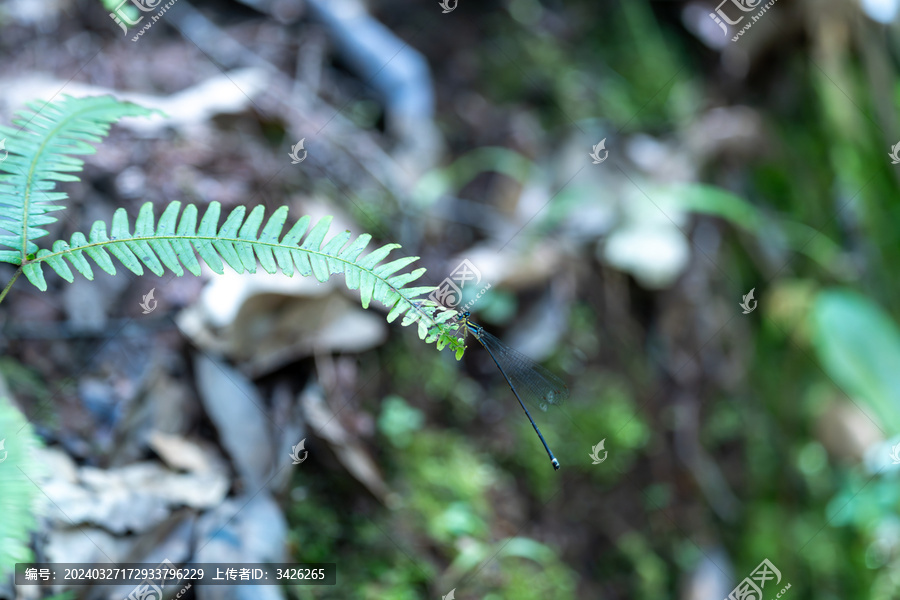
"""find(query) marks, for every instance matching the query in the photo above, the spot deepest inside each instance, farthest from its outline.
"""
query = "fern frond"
(41, 152)
(18, 469)
(172, 241)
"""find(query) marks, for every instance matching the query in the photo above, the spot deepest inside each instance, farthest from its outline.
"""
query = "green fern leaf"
(171, 243)
(43, 151)
(18, 470)
(40, 154)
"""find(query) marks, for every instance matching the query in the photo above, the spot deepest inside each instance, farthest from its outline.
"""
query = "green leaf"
(441, 182)
(171, 243)
(858, 345)
(20, 496)
(41, 153)
(717, 202)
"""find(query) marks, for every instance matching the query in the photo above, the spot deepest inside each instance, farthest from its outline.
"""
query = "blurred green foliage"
(858, 345)
(810, 222)
(18, 492)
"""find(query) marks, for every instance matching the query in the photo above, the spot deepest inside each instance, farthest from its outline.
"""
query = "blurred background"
(614, 180)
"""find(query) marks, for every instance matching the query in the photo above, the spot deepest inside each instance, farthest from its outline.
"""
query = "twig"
(11, 282)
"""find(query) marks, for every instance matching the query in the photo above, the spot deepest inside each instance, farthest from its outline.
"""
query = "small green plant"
(19, 493)
(42, 151)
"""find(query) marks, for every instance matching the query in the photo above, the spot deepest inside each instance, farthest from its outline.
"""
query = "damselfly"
(536, 384)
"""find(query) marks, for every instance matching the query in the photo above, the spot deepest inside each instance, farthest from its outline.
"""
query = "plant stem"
(9, 285)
